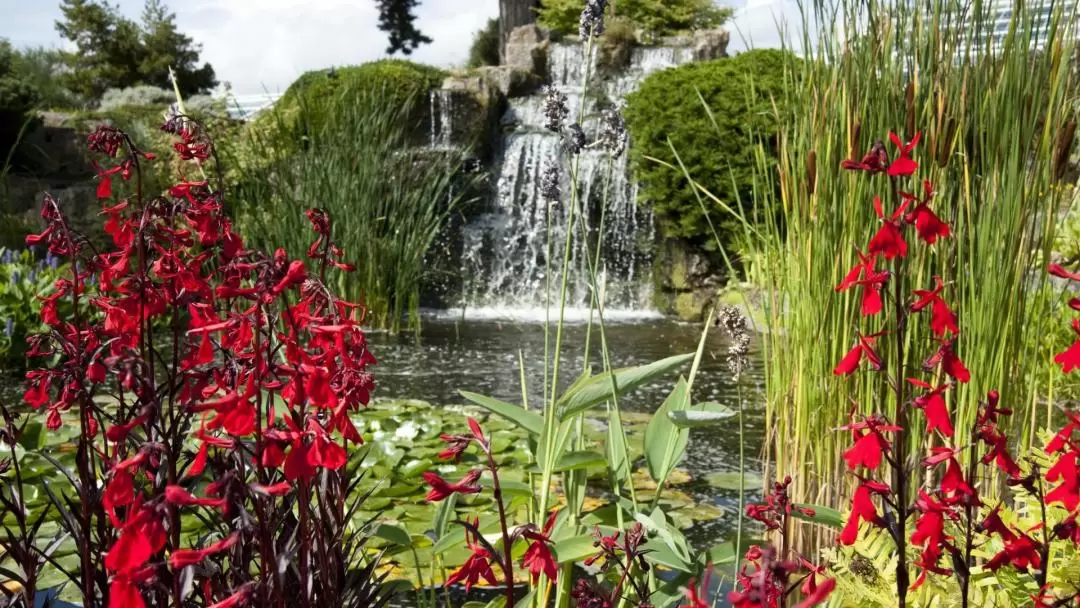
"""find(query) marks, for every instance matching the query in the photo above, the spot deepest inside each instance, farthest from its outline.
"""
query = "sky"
(263, 45)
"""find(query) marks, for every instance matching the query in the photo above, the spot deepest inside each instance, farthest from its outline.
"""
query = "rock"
(526, 49)
(469, 106)
(511, 82)
(685, 281)
(710, 44)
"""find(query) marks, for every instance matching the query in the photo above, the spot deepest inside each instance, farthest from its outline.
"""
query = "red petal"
(850, 362)
(104, 188)
(902, 167)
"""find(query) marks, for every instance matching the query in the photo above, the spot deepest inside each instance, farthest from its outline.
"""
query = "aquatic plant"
(24, 280)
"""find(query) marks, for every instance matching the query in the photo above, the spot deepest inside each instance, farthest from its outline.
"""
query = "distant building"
(1039, 12)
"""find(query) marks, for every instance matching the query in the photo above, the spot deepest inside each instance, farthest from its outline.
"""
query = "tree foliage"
(18, 97)
(654, 17)
(112, 51)
(397, 19)
(485, 46)
(740, 92)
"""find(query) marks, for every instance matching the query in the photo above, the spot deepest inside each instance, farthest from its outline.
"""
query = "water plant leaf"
(455, 535)
(822, 515)
(705, 414)
(664, 441)
(443, 515)
(393, 534)
(598, 389)
(723, 553)
(530, 421)
(575, 548)
(729, 480)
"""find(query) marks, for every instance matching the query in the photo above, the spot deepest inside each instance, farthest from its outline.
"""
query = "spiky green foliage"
(348, 151)
(992, 125)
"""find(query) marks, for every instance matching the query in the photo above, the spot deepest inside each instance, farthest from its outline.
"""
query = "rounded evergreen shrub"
(485, 46)
(653, 17)
(740, 92)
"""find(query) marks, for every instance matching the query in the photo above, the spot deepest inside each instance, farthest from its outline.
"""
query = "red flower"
(864, 348)
(477, 567)
(942, 319)
(875, 161)
(932, 403)
(440, 488)
(179, 496)
(1021, 551)
(871, 281)
(862, 509)
(869, 446)
(277, 489)
(188, 557)
(1064, 474)
(695, 595)
(238, 598)
(815, 593)
(950, 363)
(1070, 358)
(927, 225)
(889, 241)
(1058, 271)
(1061, 439)
(903, 165)
(538, 557)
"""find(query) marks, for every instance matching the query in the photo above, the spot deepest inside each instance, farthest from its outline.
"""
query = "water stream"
(513, 252)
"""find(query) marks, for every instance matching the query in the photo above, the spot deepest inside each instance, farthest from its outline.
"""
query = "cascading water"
(506, 254)
(441, 132)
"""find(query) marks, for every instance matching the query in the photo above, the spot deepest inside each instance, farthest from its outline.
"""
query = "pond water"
(485, 356)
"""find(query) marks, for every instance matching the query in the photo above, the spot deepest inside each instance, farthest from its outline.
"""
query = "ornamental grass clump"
(213, 387)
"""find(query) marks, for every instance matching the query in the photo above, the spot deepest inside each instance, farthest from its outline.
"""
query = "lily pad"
(729, 480)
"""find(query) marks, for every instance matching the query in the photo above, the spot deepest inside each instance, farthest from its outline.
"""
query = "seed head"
(549, 182)
(592, 18)
(555, 109)
(613, 135)
(575, 139)
(734, 325)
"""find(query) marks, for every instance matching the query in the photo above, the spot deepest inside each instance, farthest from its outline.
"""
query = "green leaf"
(597, 389)
(443, 515)
(822, 515)
(729, 480)
(531, 422)
(575, 548)
(509, 488)
(723, 553)
(705, 414)
(393, 534)
(659, 552)
(33, 436)
(573, 461)
(455, 536)
(665, 442)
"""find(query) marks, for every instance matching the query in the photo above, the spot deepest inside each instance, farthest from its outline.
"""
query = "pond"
(484, 356)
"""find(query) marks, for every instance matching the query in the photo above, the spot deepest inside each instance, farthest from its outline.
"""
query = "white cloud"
(257, 44)
(766, 23)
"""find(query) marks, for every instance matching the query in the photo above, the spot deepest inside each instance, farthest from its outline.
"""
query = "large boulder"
(710, 44)
(511, 82)
(527, 49)
(469, 106)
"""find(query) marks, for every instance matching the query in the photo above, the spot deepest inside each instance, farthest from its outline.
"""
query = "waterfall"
(441, 129)
(505, 257)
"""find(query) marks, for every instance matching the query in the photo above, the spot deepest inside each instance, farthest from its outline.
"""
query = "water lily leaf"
(509, 488)
(705, 414)
(723, 553)
(393, 534)
(822, 515)
(530, 421)
(413, 468)
(597, 389)
(729, 480)
(665, 443)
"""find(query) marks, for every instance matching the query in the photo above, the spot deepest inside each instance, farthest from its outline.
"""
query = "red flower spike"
(889, 241)
(874, 161)
(941, 318)
(1059, 271)
(862, 509)
(932, 403)
(277, 489)
(477, 567)
(864, 348)
(950, 363)
(182, 558)
(1070, 358)
(538, 557)
(903, 166)
(440, 488)
(928, 226)
(871, 281)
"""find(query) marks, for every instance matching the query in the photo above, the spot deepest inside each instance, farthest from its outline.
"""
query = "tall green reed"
(354, 154)
(992, 122)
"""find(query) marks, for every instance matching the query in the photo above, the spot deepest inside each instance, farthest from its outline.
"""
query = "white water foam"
(576, 315)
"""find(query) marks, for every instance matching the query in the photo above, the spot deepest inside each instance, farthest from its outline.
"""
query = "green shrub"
(403, 81)
(139, 95)
(654, 17)
(18, 98)
(485, 46)
(739, 92)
